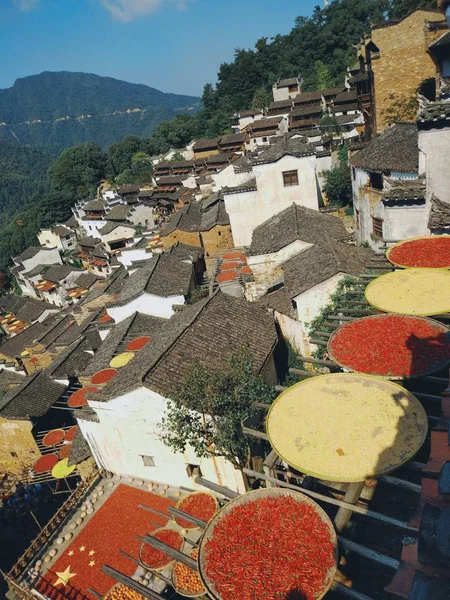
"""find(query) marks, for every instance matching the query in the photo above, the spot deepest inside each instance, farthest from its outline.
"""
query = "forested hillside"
(57, 110)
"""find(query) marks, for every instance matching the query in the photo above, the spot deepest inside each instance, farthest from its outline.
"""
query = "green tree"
(399, 9)
(261, 99)
(323, 78)
(329, 124)
(207, 413)
(177, 157)
(338, 185)
(402, 108)
(121, 154)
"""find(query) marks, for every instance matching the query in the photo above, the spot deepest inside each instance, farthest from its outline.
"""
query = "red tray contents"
(199, 504)
(64, 451)
(232, 255)
(271, 548)
(103, 376)
(105, 319)
(157, 559)
(45, 463)
(78, 398)
(70, 433)
(228, 266)
(138, 343)
(226, 276)
(392, 346)
(246, 271)
(53, 437)
(432, 252)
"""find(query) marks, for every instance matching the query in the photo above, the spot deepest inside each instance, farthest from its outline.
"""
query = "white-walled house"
(388, 196)
(58, 237)
(285, 89)
(116, 235)
(307, 282)
(434, 147)
(282, 175)
(239, 121)
(262, 130)
(282, 237)
(122, 423)
(28, 261)
(154, 289)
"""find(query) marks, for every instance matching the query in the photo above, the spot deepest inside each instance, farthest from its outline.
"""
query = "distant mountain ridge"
(60, 109)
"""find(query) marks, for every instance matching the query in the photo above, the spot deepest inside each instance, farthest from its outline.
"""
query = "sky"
(172, 45)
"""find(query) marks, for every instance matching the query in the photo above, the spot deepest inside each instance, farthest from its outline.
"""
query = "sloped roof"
(89, 242)
(62, 231)
(280, 104)
(94, 206)
(232, 138)
(112, 225)
(322, 261)
(265, 124)
(72, 222)
(286, 146)
(317, 95)
(32, 399)
(57, 273)
(127, 330)
(346, 97)
(9, 380)
(195, 218)
(206, 143)
(396, 149)
(295, 223)
(207, 331)
(79, 450)
(287, 82)
(172, 179)
(163, 275)
(86, 280)
(31, 252)
(24, 308)
(439, 214)
(72, 361)
(17, 344)
(436, 112)
(72, 333)
(247, 186)
(306, 110)
(401, 190)
(120, 212)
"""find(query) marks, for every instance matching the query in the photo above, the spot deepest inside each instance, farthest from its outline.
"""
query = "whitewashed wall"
(127, 256)
(310, 303)
(129, 428)
(148, 304)
(227, 177)
(91, 227)
(434, 163)
(247, 210)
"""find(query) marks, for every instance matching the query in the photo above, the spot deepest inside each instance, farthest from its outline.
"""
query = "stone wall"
(18, 450)
(217, 240)
(403, 61)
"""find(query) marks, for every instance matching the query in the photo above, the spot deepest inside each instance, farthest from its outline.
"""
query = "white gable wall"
(129, 427)
(148, 304)
(434, 146)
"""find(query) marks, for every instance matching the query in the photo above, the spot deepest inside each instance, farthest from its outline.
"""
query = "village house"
(139, 214)
(26, 262)
(154, 289)
(240, 120)
(282, 237)
(116, 235)
(204, 224)
(434, 146)
(136, 400)
(52, 283)
(398, 61)
(282, 175)
(58, 237)
(284, 89)
(280, 108)
(305, 117)
(308, 279)
(345, 103)
(260, 131)
(323, 97)
(388, 196)
(19, 312)
(205, 147)
(233, 142)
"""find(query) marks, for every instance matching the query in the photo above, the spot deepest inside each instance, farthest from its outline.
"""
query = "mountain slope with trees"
(58, 110)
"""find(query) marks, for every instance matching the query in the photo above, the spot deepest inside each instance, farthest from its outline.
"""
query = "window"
(194, 471)
(290, 178)
(219, 233)
(377, 227)
(264, 139)
(148, 461)
(353, 172)
(376, 180)
(357, 222)
(14, 454)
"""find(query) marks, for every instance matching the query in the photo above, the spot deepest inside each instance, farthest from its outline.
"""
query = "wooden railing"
(46, 533)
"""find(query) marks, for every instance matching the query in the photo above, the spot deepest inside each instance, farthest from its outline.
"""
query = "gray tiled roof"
(402, 190)
(57, 273)
(37, 270)
(86, 280)
(62, 231)
(322, 261)
(272, 122)
(232, 138)
(280, 104)
(206, 331)
(163, 275)
(196, 217)
(295, 223)
(344, 107)
(112, 225)
(32, 399)
(72, 361)
(127, 330)
(248, 186)
(9, 380)
(287, 82)
(317, 95)
(55, 327)
(439, 214)
(120, 212)
(312, 109)
(79, 450)
(437, 112)
(346, 97)
(396, 149)
(72, 333)
(285, 147)
(89, 242)
(31, 251)
(172, 179)
(206, 143)
(17, 344)
(278, 301)
(24, 308)
(94, 206)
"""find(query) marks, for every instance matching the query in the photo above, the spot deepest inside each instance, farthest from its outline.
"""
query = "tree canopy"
(208, 412)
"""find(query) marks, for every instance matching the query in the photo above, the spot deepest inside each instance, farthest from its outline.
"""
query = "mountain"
(58, 110)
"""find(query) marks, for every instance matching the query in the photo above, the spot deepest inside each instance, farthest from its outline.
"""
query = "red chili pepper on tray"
(269, 548)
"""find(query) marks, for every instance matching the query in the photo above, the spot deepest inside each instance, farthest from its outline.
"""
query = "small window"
(357, 222)
(353, 172)
(264, 139)
(376, 180)
(148, 461)
(290, 178)
(194, 471)
(14, 454)
(377, 227)
(219, 233)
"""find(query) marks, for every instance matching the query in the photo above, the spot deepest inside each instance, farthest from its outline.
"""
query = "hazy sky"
(172, 45)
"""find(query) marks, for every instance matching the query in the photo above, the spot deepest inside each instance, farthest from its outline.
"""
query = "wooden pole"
(94, 593)
(130, 583)
(318, 361)
(155, 512)
(352, 495)
(387, 561)
(176, 554)
(179, 513)
(141, 564)
(254, 433)
(352, 507)
(216, 488)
